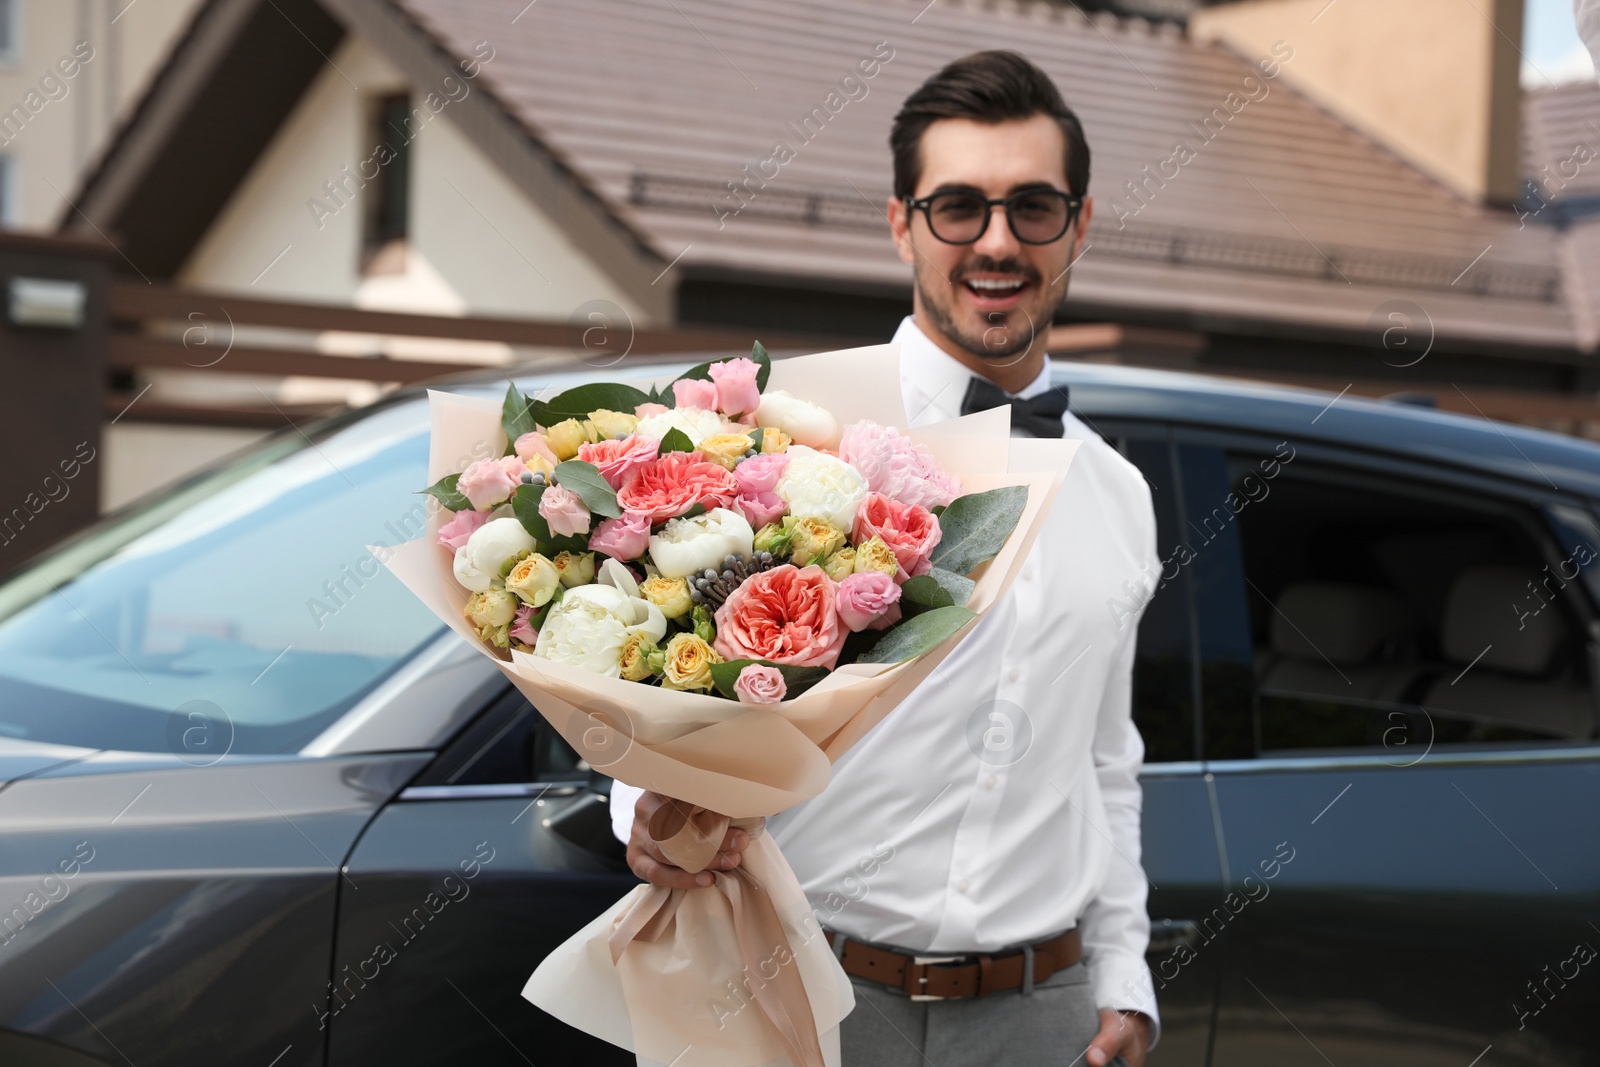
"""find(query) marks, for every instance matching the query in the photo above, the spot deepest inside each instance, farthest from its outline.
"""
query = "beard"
(1000, 341)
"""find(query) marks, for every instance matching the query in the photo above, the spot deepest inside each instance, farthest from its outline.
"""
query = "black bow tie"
(1040, 416)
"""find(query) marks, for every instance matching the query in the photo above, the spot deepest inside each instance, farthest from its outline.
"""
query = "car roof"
(1535, 458)
(1505, 450)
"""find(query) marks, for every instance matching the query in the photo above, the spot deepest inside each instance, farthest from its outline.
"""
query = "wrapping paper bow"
(690, 837)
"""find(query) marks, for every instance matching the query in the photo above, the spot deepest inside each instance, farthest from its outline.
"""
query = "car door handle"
(1167, 935)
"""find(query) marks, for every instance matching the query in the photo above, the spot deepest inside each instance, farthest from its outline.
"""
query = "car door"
(1400, 725)
(499, 851)
(1180, 845)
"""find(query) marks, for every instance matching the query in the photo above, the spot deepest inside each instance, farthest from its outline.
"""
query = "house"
(1282, 190)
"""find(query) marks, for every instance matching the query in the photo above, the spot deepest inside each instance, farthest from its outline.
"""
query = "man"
(993, 817)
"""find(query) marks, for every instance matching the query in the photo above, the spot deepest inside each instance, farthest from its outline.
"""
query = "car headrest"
(1494, 608)
(1346, 623)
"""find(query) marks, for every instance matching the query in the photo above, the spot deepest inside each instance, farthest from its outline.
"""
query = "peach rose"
(784, 615)
(618, 458)
(666, 487)
(910, 530)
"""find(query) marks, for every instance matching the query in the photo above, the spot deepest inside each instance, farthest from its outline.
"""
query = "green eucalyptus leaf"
(974, 527)
(757, 436)
(918, 634)
(585, 480)
(445, 492)
(578, 402)
(525, 506)
(938, 588)
(675, 440)
(515, 417)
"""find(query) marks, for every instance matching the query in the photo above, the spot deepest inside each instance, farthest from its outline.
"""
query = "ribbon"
(690, 837)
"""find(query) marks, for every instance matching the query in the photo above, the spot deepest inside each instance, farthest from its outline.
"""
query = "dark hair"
(992, 86)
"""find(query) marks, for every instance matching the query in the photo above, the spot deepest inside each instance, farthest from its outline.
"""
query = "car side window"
(1391, 614)
(1163, 671)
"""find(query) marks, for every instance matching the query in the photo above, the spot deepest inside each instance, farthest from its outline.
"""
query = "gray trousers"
(1053, 1025)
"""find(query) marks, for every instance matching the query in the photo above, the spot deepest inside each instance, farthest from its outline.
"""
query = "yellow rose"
(574, 568)
(637, 652)
(874, 555)
(540, 465)
(671, 595)
(726, 448)
(814, 540)
(610, 424)
(689, 661)
(841, 564)
(774, 439)
(492, 607)
(534, 580)
(565, 437)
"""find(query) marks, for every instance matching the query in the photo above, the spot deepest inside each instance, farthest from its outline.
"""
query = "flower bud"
(704, 628)
(574, 568)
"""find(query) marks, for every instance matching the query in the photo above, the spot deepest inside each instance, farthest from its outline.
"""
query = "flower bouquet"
(711, 588)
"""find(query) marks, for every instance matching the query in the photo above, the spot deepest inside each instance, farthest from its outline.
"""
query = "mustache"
(987, 265)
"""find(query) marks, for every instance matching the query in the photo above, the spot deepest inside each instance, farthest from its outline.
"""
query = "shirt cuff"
(1124, 983)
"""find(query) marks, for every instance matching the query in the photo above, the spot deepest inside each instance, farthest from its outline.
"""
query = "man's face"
(994, 296)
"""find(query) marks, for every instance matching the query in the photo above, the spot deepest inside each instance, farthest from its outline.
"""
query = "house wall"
(51, 125)
(1433, 80)
(477, 245)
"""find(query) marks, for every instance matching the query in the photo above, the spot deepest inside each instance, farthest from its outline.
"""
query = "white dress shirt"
(921, 843)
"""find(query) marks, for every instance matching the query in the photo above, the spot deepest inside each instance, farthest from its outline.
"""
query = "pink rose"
(565, 511)
(869, 600)
(786, 615)
(522, 626)
(624, 538)
(896, 466)
(645, 410)
(487, 483)
(533, 444)
(760, 684)
(760, 473)
(695, 393)
(670, 485)
(619, 457)
(910, 530)
(735, 379)
(759, 508)
(454, 533)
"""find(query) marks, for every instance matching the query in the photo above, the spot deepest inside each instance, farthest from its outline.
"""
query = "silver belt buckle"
(923, 960)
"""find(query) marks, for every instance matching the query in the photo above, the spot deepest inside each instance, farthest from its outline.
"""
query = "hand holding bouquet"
(712, 588)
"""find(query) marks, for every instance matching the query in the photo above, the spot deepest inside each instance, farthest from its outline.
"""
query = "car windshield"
(239, 611)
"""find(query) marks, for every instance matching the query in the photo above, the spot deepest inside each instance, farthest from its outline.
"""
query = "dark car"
(262, 808)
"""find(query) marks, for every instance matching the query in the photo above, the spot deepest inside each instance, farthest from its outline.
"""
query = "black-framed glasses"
(1036, 216)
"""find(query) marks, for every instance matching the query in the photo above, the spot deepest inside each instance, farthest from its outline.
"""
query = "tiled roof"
(1285, 213)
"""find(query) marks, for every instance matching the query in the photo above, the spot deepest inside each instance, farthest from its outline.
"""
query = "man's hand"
(648, 862)
(1125, 1032)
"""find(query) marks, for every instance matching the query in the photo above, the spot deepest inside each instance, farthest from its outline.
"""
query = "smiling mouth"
(989, 289)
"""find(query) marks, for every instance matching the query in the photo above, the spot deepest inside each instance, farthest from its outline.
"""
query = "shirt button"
(1014, 674)
(989, 782)
(962, 885)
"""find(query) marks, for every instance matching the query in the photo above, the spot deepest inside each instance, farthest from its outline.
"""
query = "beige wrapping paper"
(736, 974)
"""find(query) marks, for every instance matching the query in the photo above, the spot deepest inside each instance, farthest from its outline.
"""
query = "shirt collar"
(933, 383)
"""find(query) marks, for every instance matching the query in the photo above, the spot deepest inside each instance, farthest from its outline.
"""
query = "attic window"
(386, 224)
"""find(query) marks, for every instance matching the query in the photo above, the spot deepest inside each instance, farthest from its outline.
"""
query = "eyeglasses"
(1036, 216)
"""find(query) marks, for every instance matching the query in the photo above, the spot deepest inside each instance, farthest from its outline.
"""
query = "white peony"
(697, 423)
(592, 623)
(478, 562)
(816, 485)
(688, 546)
(806, 423)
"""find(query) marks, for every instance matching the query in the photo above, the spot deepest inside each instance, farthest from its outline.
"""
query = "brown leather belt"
(942, 977)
